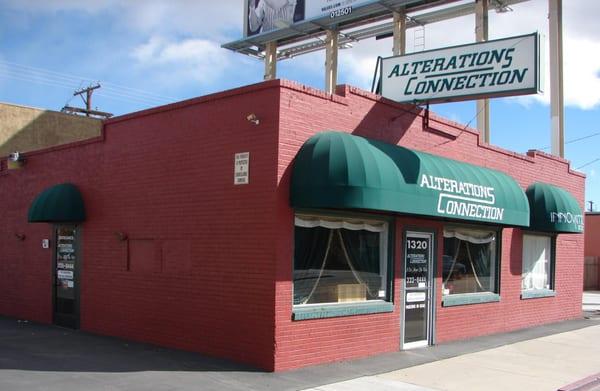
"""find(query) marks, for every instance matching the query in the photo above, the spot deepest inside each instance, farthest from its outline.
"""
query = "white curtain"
(332, 223)
(536, 262)
(471, 235)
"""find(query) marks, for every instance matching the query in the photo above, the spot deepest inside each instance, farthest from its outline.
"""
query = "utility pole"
(87, 100)
(88, 96)
(591, 205)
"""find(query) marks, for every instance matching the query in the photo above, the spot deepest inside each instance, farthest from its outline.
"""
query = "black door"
(66, 276)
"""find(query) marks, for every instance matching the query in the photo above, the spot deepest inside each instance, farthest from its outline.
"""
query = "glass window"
(470, 261)
(339, 260)
(537, 262)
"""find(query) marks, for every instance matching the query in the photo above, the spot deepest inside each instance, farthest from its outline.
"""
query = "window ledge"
(537, 293)
(469, 298)
(335, 310)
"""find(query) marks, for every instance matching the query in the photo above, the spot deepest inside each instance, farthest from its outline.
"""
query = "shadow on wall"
(25, 129)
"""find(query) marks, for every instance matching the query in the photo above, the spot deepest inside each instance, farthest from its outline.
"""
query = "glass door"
(418, 288)
(66, 276)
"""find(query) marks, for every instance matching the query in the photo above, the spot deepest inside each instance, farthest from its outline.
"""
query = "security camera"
(252, 118)
(15, 157)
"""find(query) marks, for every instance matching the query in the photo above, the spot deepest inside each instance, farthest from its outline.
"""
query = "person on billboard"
(267, 15)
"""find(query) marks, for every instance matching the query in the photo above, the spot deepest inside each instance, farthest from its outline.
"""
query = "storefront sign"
(503, 67)
(567, 218)
(417, 261)
(463, 199)
(241, 168)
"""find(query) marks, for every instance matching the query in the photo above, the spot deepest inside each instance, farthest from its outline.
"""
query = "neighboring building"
(350, 231)
(591, 280)
(24, 129)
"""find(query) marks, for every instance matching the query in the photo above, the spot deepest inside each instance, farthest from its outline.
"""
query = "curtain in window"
(480, 248)
(536, 262)
(361, 244)
(310, 254)
(362, 254)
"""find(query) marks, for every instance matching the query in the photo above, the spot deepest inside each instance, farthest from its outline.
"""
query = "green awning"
(58, 204)
(553, 209)
(342, 171)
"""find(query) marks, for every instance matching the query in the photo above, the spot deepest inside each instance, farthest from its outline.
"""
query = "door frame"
(76, 274)
(431, 292)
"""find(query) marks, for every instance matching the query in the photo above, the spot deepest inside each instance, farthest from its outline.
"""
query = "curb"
(590, 383)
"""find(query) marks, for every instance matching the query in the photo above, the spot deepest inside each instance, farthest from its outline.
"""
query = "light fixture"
(253, 119)
(15, 160)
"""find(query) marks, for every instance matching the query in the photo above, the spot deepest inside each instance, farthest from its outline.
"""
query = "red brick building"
(592, 251)
(363, 228)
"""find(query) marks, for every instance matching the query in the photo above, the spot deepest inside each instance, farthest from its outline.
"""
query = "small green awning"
(553, 209)
(58, 204)
(342, 171)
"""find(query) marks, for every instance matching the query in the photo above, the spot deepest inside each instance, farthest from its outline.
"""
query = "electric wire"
(57, 79)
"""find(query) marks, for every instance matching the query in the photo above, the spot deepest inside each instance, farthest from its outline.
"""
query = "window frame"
(328, 310)
(539, 293)
(474, 297)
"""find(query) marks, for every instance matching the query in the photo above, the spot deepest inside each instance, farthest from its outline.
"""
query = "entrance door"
(418, 288)
(66, 276)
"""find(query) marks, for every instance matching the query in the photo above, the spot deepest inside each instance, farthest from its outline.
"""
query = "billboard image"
(262, 16)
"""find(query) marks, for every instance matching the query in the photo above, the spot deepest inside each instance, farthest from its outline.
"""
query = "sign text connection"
(494, 68)
(463, 199)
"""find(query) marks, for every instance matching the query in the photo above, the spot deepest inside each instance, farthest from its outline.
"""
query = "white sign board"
(262, 16)
(502, 67)
(241, 168)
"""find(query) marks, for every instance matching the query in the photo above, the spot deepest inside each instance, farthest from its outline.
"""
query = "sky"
(152, 52)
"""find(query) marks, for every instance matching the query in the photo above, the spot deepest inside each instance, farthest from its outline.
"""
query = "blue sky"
(147, 53)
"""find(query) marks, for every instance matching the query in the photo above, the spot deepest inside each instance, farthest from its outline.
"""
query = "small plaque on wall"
(241, 172)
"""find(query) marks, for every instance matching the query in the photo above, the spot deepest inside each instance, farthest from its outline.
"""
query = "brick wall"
(305, 112)
(197, 269)
(207, 265)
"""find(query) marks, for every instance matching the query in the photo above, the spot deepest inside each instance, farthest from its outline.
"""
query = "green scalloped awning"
(58, 204)
(342, 171)
(553, 209)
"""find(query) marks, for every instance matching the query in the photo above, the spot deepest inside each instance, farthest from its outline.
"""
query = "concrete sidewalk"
(543, 364)
(36, 357)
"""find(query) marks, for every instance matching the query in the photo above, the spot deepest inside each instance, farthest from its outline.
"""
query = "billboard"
(262, 16)
(503, 67)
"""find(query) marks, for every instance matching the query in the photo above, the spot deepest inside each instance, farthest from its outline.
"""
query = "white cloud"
(581, 47)
(180, 61)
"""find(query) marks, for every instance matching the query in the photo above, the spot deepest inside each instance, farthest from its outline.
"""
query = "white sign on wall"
(241, 171)
(503, 67)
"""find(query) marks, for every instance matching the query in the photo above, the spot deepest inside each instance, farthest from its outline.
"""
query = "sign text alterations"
(463, 199)
(493, 68)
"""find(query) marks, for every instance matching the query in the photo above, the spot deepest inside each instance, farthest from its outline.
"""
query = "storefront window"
(470, 261)
(537, 263)
(339, 260)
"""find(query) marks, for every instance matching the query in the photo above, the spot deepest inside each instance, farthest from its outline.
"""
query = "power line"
(44, 76)
(577, 139)
(588, 163)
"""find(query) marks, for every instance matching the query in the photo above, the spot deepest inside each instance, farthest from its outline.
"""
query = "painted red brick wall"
(592, 235)
(305, 112)
(207, 265)
(197, 269)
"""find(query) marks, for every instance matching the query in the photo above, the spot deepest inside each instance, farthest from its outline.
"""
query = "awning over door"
(342, 171)
(553, 209)
(58, 204)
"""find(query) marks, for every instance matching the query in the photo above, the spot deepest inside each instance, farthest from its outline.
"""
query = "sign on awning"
(502, 67)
